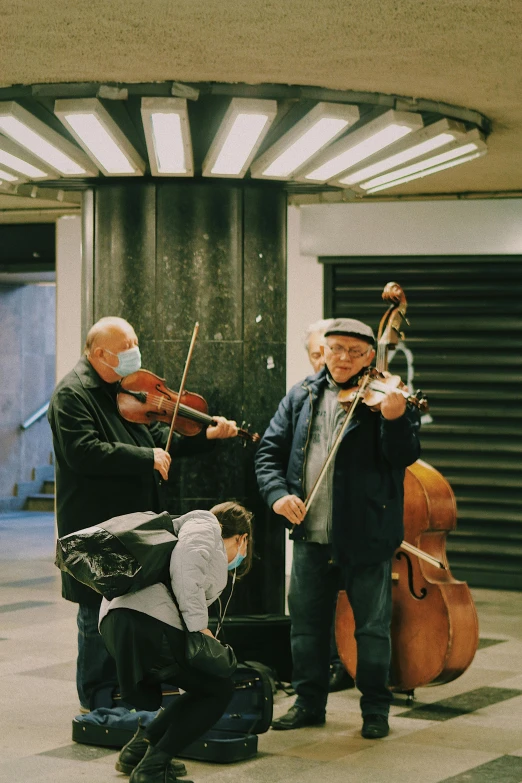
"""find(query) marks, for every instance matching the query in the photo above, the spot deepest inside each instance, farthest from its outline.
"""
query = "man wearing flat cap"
(352, 527)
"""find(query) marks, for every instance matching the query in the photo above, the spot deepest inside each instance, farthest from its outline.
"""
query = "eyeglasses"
(353, 353)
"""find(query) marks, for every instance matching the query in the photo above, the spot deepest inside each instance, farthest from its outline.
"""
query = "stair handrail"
(37, 415)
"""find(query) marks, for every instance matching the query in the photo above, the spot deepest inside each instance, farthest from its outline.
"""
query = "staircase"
(34, 495)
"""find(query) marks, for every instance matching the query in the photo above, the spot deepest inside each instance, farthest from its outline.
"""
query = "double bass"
(434, 628)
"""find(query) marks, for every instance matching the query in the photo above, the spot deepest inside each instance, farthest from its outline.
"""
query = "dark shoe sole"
(374, 736)
(125, 768)
(180, 769)
(281, 727)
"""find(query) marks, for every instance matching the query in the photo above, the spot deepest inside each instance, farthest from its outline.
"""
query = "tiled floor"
(469, 730)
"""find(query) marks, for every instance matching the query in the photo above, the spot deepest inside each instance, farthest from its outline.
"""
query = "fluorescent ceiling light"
(376, 135)
(19, 161)
(8, 177)
(17, 164)
(425, 173)
(102, 139)
(308, 137)
(242, 130)
(427, 163)
(424, 141)
(42, 141)
(167, 133)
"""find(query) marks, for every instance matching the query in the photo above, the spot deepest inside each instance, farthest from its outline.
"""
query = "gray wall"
(27, 369)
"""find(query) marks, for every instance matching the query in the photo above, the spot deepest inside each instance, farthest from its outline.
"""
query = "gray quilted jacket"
(198, 571)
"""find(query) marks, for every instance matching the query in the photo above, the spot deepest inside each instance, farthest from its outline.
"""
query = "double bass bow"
(434, 629)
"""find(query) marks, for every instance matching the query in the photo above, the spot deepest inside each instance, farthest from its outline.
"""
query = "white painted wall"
(68, 293)
(304, 299)
(484, 227)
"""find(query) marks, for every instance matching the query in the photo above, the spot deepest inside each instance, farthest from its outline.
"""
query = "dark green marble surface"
(124, 255)
(169, 254)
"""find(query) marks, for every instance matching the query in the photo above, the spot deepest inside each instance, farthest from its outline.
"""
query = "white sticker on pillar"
(270, 364)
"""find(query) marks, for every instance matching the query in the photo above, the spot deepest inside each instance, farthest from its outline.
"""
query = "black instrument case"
(233, 738)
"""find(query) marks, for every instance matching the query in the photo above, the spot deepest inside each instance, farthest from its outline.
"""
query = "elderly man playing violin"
(352, 527)
(106, 466)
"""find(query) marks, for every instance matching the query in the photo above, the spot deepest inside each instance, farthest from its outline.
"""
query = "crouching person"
(146, 636)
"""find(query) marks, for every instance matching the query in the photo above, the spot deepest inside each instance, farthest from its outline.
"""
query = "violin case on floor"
(232, 738)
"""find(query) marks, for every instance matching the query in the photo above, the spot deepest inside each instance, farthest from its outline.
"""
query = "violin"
(143, 398)
(434, 629)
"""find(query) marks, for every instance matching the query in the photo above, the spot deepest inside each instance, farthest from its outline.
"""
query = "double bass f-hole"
(423, 591)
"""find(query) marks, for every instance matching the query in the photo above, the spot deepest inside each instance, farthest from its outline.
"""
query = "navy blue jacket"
(367, 514)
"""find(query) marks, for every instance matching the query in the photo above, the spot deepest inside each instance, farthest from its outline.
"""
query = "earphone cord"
(222, 614)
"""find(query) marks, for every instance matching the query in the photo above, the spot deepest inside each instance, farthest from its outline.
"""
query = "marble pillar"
(166, 254)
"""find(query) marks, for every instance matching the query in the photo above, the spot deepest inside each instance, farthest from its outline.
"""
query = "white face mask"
(128, 361)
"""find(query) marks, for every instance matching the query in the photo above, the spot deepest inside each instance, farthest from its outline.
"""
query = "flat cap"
(351, 328)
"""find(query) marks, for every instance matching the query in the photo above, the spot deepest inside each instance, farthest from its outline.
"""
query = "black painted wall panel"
(465, 337)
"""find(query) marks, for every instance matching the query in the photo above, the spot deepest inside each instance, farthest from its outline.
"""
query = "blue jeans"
(94, 665)
(314, 583)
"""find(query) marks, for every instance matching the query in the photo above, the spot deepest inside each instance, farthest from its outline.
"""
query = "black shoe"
(340, 680)
(375, 727)
(296, 718)
(132, 753)
(155, 767)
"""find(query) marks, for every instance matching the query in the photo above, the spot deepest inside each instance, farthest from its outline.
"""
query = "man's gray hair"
(317, 326)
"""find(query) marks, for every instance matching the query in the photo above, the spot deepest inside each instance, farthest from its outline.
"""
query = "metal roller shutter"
(466, 339)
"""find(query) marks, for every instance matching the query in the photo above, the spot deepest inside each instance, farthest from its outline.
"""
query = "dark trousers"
(146, 649)
(314, 583)
(94, 665)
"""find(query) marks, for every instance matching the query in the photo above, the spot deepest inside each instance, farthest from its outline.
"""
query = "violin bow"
(182, 384)
(337, 443)
(413, 550)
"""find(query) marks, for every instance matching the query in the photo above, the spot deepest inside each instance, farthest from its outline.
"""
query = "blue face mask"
(236, 562)
(128, 361)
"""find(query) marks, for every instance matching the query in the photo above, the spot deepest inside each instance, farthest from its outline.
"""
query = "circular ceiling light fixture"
(307, 138)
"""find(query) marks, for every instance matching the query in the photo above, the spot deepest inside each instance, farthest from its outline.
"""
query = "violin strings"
(169, 407)
(192, 413)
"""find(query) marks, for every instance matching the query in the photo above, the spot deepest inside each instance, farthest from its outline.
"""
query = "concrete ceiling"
(463, 52)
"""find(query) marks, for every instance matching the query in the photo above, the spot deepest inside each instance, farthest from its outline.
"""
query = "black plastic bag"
(119, 556)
